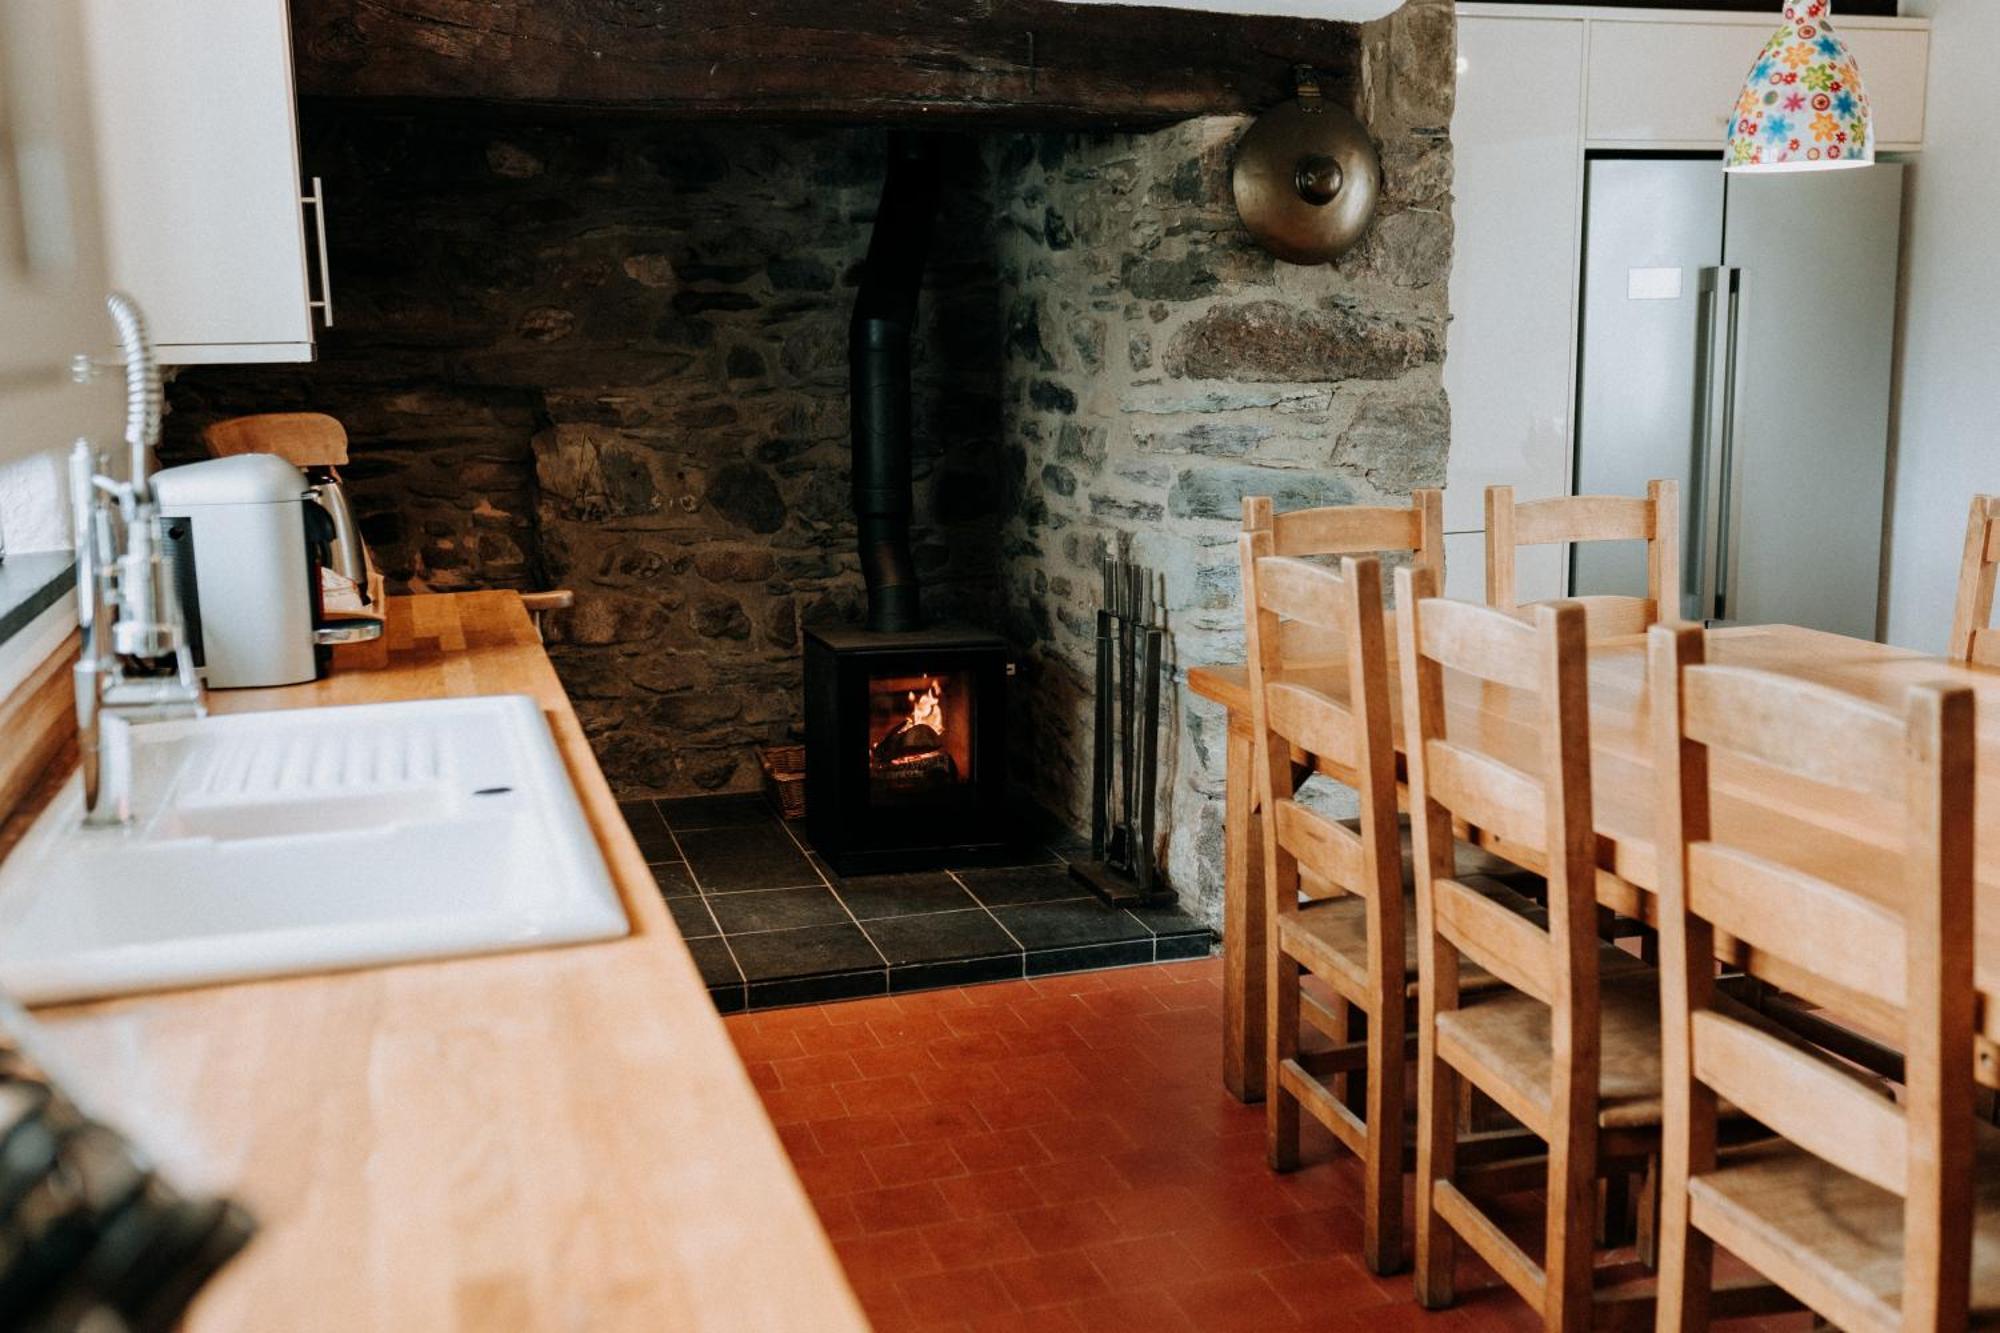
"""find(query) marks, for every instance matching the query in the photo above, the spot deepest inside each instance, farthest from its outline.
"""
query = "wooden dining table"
(1827, 830)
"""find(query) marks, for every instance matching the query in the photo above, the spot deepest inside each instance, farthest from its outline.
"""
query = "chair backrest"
(303, 439)
(1544, 819)
(1340, 713)
(1355, 529)
(1972, 637)
(1917, 770)
(1654, 520)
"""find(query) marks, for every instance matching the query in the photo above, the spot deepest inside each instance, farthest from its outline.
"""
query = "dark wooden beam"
(962, 62)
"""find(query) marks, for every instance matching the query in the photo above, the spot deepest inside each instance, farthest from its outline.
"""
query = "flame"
(927, 709)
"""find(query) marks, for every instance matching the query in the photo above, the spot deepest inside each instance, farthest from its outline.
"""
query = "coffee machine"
(246, 537)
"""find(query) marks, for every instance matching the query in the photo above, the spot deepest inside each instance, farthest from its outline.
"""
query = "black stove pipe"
(878, 352)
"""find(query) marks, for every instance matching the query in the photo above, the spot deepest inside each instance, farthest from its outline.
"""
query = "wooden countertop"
(557, 1139)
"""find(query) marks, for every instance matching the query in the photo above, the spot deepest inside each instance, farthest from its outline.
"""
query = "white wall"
(1948, 431)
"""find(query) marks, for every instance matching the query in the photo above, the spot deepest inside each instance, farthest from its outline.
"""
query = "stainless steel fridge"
(1737, 335)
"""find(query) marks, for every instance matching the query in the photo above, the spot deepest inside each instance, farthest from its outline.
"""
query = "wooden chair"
(1317, 643)
(303, 439)
(1592, 518)
(1972, 637)
(1868, 1211)
(1352, 938)
(1570, 1045)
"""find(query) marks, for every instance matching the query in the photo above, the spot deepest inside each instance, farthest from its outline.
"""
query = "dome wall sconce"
(1307, 178)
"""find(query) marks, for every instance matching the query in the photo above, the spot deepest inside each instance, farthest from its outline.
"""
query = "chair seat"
(1776, 1196)
(1506, 1035)
(1330, 939)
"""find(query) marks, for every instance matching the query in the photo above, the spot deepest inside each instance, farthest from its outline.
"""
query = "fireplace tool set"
(1125, 758)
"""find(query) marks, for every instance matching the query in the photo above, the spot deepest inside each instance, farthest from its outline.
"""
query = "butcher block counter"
(557, 1139)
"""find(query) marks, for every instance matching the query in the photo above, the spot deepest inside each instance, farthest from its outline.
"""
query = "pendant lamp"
(1802, 108)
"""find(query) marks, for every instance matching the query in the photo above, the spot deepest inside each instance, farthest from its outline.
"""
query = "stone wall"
(1161, 367)
(611, 356)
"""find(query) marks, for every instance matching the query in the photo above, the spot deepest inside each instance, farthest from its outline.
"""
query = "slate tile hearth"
(769, 925)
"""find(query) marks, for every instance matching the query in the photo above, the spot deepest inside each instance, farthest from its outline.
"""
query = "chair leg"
(1687, 1264)
(1571, 1251)
(1648, 1222)
(1382, 1209)
(1437, 1148)
(1281, 1043)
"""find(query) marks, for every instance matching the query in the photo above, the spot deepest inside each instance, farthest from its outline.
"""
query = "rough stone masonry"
(610, 355)
(1160, 367)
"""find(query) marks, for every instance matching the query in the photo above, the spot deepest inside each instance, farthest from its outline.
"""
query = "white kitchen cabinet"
(198, 153)
(1540, 87)
(51, 262)
(1673, 85)
(1518, 187)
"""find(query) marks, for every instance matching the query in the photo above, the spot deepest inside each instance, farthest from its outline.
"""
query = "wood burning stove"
(906, 738)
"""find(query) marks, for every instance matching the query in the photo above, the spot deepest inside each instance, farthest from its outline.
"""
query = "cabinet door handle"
(317, 199)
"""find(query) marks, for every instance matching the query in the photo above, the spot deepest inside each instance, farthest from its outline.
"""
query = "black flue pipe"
(878, 357)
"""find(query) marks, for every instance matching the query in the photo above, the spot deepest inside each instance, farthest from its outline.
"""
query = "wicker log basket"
(785, 779)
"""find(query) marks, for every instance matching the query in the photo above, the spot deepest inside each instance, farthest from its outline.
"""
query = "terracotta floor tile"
(989, 1192)
(976, 1242)
(1154, 1210)
(903, 1028)
(1146, 1262)
(1066, 1226)
(1320, 1290)
(1084, 1136)
(868, 1096)
(830, 1176)
(1050, 1279)
(1048, 1319)
(812, 1071)
(962, 1295)
(1020, 1107)
(1233, 1246)
(1000, 1149)
(901, 1206)
(879, 1261)
(882, 1061)
(1236, 1300)
(852, 1012)
(960, 1049)
(940, 1120)
(1131, 1312)
(993, 1018)
(909, 1163)
(789, 1105)
(1084, 1178)
(855, 1133)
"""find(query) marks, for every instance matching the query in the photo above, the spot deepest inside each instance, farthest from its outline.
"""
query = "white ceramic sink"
(272, 843)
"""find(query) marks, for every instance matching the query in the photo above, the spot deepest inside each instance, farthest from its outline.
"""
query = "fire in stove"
(911, 742)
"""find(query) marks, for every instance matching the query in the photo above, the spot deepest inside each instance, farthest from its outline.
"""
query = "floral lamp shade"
(1802, 108)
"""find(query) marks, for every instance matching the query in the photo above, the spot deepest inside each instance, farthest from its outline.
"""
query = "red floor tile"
(1059, 1154)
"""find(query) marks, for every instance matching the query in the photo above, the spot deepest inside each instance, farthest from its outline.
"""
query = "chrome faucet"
(135, 665)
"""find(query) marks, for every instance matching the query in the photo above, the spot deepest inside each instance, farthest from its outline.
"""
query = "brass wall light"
(1307, 178)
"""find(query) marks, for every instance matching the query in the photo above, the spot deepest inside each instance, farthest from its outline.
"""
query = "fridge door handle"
(1715, 412)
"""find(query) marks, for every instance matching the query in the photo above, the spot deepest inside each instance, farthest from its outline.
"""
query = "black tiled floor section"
(1023, 884)
(746, 857)
(778, 909)
(768, 925)
(871, 897)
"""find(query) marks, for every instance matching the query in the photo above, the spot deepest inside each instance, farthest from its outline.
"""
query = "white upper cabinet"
(51, 261)
(1518, 188)
(1672, 84)
(198, 155)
